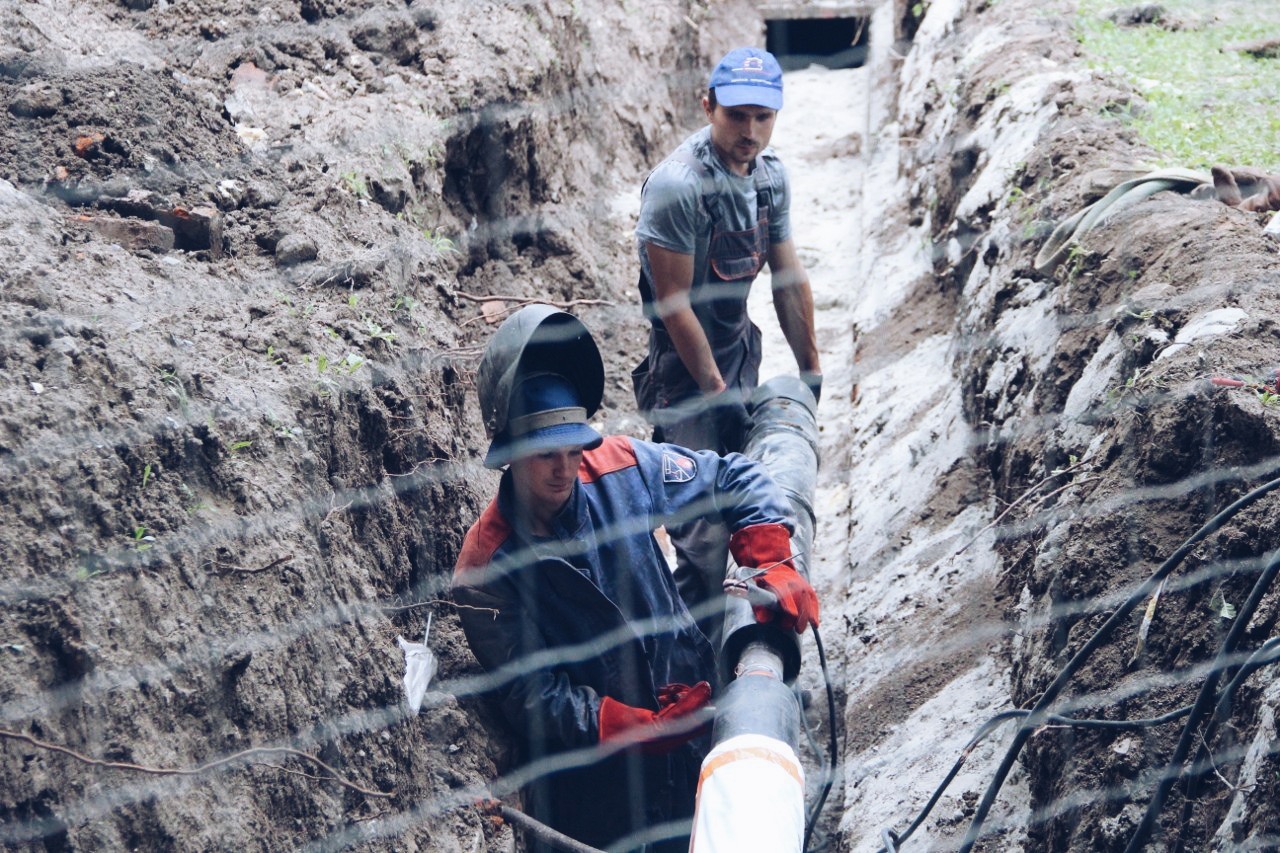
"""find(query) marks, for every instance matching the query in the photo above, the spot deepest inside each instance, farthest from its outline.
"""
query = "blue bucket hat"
(748, 75)
(546, 413)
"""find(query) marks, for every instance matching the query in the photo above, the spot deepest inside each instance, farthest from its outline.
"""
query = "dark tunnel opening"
(831, 42)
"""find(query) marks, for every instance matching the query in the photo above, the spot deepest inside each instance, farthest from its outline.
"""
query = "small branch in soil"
(242, 570)
(519, 302)
(435, 601)
(1028, 493)
(535, 828)
(194, 771)
(428, 461)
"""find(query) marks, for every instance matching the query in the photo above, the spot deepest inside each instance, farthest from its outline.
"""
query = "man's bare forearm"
(694, 350)
(793, 302)
(673, 285)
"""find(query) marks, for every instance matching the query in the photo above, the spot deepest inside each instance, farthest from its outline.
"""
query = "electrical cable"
(833, 760)
(806, 728)
(1262, 656)
(1077, 660)
(1258, 659)
(1267, 653)
(986, 729)
(1204, 701)
(1124, 194)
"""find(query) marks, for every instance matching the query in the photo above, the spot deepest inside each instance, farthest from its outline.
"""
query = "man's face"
(544, 481)
(739, 133)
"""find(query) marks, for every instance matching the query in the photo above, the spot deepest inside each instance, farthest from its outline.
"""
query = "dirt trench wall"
(239, 442)
(1094, 423)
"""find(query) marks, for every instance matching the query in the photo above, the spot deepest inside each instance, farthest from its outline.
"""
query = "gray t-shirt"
(674, 216)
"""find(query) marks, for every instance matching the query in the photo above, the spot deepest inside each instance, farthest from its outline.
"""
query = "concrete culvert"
(830, 36)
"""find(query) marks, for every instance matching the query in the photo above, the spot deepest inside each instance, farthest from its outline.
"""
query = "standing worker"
(711, 215)
(566, 599)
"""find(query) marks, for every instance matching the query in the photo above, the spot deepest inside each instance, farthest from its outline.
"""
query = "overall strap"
(711, 195)
(764, 190)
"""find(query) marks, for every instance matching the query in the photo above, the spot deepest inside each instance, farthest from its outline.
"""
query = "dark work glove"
(814, 381)
(731, 419)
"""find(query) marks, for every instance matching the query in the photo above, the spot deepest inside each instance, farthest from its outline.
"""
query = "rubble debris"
(1268, 48)
(1134, 16)
(1246, 188)
(295, 249)
(197, 228)
(37, 100)
(87, 146)
(134, 234)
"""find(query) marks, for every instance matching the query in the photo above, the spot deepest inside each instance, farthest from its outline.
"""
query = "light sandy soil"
(893, 623)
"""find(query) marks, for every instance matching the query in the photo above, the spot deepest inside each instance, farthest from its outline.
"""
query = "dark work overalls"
(670, 398)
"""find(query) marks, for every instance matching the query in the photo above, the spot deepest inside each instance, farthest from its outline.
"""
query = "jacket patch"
(677, 469)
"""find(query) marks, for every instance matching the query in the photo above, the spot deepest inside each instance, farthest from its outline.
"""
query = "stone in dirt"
(196, 228)
(133, 234)
(295, 249)
(36, 101)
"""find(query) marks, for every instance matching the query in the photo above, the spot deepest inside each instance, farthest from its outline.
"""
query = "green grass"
(1202, 105)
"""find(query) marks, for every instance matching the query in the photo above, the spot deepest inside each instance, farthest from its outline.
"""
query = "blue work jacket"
(593, 611)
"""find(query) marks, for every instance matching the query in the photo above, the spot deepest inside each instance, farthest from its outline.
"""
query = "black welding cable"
(1077, 660)
(1147, 723)
(833, 761)
(809, 737)
(1268, 653)
(989, 726)
(1206, 700)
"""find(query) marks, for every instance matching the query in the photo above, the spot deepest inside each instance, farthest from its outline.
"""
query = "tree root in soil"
(334, 776)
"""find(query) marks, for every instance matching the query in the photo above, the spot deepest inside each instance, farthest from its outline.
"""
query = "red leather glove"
(660, 731)
(770, 545)
(672, 694)
(797, 602)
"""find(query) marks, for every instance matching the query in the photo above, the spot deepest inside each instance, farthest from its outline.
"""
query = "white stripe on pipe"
(750, 798)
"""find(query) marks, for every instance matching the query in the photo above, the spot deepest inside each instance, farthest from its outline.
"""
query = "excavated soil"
(245, 250)
(251, 253)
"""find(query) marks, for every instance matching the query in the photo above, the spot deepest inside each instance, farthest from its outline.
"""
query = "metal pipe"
(783, 438)
(751, 788)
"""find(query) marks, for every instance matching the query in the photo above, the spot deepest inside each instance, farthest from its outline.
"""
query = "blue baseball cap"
(546, 413)
(748, 75)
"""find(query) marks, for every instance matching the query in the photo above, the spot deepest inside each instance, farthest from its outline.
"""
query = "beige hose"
(1121, 196)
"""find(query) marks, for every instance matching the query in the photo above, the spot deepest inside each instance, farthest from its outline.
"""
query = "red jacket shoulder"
(482, 540)
(615, 454)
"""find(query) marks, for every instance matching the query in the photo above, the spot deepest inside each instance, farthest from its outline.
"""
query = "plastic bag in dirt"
(419, 668)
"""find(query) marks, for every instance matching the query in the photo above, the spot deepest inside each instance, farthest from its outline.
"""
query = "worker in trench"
(567, 600)
(711, 215)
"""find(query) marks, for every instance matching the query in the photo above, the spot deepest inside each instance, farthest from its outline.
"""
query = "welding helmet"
(522, 408)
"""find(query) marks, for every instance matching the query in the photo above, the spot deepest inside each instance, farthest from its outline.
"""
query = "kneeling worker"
(567, 598)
